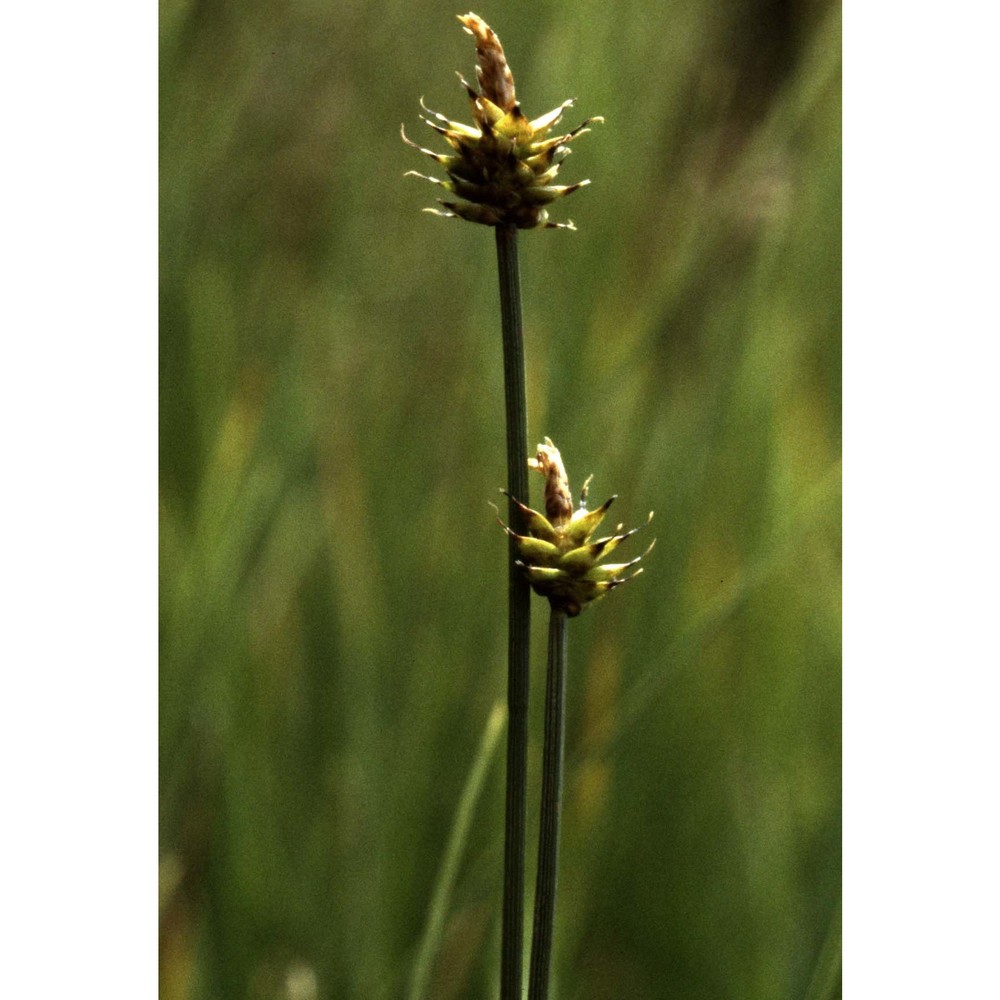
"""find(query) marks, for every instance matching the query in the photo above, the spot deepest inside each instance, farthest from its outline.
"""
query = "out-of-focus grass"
(332, 579)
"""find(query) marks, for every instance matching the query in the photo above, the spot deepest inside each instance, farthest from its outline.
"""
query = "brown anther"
(558, 501)
(495, 78)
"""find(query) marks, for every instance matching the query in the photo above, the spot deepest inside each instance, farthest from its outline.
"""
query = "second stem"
(548, 835)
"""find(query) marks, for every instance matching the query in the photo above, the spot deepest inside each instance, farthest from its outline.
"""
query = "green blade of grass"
(448, 872)
(825, 983)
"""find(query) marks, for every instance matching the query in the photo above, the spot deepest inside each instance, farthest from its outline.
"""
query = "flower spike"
(502, 167)
(557, 555)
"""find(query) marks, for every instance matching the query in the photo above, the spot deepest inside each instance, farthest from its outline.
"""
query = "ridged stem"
(548, 834)
(519, 619)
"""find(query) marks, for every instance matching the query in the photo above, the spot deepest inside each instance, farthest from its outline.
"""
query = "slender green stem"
(826, 982)
(438, 910)
(519, 619)
(548, 834)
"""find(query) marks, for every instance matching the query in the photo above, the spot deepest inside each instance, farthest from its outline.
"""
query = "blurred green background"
(333, 620)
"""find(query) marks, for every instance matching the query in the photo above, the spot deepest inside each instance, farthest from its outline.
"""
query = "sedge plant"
(500, 172)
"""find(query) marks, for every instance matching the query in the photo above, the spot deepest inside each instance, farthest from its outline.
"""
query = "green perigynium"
(557, 556)
(502, 167)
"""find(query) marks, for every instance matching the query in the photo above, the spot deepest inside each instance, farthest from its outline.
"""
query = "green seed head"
(503, 166)
(557, 555)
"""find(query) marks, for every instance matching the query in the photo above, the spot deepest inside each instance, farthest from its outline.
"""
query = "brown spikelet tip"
(495, 78)
(558, 502)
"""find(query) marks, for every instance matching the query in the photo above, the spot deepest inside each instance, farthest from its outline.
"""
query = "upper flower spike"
(557, 555)
(503, 166)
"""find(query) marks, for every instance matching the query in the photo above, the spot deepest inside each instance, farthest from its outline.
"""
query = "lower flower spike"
(557, 555)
